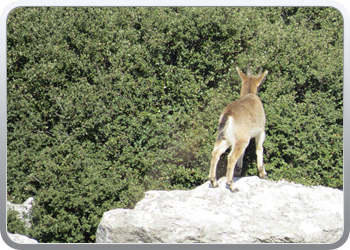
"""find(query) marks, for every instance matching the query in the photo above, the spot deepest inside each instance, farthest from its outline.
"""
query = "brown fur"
(239, 121)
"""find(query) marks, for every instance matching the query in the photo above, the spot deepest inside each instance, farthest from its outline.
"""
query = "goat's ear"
(261, 78)
(241, 75)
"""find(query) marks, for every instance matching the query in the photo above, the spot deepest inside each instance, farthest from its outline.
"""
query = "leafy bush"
(105, 103)
(14, 224)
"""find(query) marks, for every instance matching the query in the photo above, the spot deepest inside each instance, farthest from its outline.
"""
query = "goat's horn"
(248, 71)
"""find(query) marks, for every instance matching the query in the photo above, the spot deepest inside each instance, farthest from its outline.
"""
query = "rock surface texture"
(23, 214)
(21, 239)
(22, 209)
(263, 211)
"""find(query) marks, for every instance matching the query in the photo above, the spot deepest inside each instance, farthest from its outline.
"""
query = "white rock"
(22, 209)
(21, 239)
(262, 211)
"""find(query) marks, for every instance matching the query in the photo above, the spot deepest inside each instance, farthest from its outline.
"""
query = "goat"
(240, 121)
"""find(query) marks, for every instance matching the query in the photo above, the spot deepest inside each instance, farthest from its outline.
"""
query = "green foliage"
(303, 97)
(14, 224)
(105, 103)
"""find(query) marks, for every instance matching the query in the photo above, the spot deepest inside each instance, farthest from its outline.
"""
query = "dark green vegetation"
(15, 225)
(105, 103)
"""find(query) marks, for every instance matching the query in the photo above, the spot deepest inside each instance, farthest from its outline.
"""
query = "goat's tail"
(222, 127)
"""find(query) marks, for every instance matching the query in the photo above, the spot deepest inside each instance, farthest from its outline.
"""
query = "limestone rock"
(262, 211)
(21, 239)
(22, 209)
(23, 214)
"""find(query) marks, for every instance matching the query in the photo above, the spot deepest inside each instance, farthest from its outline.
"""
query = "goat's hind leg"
(219, 149)
(236, 153)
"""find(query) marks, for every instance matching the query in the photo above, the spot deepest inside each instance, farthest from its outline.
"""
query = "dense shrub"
(14, 224)
(105, 103)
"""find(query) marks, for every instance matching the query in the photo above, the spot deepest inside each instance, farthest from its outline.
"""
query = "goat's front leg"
(239, 166)
(259, 140)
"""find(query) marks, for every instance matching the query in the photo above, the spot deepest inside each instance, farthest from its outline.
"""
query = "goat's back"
(245, 117)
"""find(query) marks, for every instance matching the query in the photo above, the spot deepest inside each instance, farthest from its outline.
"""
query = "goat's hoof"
(233, 187)
(214, 184)
(265, 176)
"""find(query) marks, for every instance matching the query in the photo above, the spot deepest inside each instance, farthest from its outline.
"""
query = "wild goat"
(239, 121)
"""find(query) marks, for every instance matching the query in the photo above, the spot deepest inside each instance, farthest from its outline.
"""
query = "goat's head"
(250, 83)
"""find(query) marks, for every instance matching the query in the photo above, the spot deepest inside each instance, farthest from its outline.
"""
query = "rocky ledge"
(21, 239)
(263, 211)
